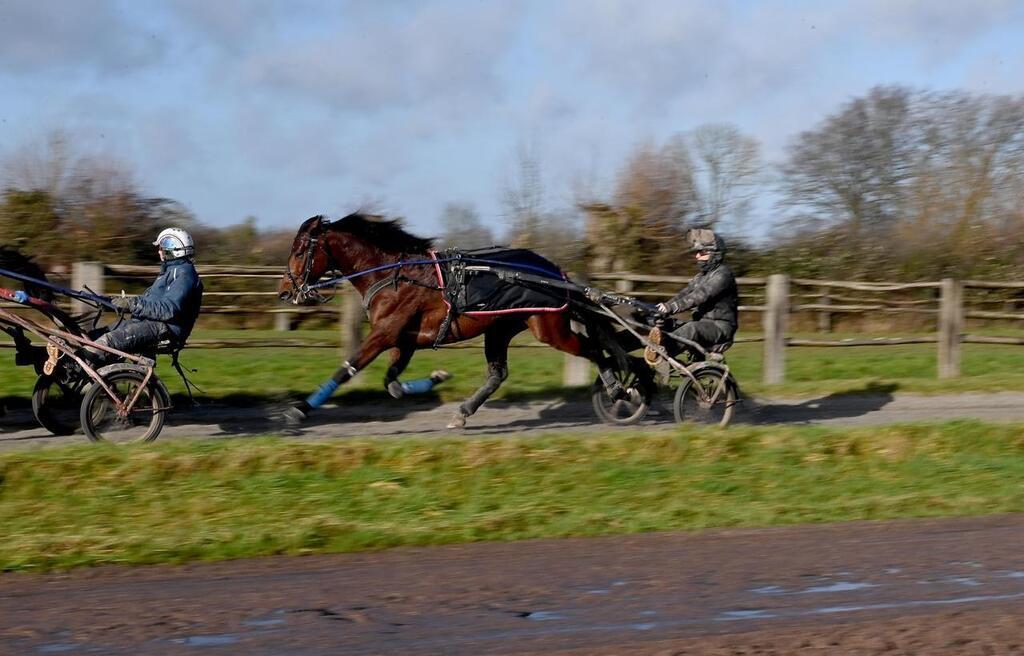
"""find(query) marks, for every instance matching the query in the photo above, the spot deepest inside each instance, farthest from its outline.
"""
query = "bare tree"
(727, 166)
(461, 227)
(852, 168)
(523, 199)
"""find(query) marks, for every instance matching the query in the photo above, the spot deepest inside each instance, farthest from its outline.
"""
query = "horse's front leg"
(400, 358)
(378, 341)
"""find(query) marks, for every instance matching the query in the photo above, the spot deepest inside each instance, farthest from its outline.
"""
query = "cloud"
(939, 29)
(41, 36)
(441, 54)
(236, 24)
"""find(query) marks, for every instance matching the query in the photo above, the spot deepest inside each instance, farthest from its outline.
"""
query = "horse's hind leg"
(496, 341)
(555, 330)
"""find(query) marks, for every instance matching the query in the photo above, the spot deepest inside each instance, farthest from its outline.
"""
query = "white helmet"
(175, 243)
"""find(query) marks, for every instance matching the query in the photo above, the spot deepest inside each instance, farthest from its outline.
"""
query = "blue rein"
(397, 265)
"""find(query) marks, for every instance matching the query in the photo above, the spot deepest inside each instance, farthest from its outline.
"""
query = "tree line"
(895, 184)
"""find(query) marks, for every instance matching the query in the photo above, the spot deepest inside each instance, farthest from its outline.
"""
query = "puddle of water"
(918, 603)
(544, 616)
(266, 622)
(1012, 575)
(648, 613)
(644, 626)
(966, 563)
(769, 590)
(208, 640)
(743, 615)
(839, 586)
(273, 619)
(58, 647)
(598, 591)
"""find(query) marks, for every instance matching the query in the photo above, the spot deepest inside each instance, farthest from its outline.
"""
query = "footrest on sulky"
(651, 355)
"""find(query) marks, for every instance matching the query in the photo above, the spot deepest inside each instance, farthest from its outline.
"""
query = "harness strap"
(375, 288)
(453, 289)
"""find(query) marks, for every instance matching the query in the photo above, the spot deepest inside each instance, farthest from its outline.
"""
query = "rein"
(401, 263)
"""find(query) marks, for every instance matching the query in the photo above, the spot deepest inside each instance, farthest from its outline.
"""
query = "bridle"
(302, 286)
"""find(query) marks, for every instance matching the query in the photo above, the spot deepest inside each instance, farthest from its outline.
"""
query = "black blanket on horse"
(473, 281)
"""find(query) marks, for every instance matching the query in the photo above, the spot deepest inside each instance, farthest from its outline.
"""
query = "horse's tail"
(14, 260)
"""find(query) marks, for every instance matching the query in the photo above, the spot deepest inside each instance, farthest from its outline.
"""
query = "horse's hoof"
(458, 421)
(293, 416)
(438, 376)
(395, 389)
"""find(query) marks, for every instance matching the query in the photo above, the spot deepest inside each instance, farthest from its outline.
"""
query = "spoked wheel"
(629, 407)
(104, 421)
(696, 401)
(56, 403)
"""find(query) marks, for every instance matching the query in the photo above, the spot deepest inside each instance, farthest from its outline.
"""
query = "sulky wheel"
(102, 420)
(56, 403)
(628, 408)
(696, 402)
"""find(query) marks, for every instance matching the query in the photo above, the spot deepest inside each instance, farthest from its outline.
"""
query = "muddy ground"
(912, 587)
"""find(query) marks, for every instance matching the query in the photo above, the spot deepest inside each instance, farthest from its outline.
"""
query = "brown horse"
(407, 308)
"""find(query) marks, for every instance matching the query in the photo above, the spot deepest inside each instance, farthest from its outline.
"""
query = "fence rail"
(776, 298)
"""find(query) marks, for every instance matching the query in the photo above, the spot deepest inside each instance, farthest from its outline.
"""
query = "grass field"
(188, 500)
(254, 375)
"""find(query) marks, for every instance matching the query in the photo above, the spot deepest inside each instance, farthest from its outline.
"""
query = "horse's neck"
(363, 257)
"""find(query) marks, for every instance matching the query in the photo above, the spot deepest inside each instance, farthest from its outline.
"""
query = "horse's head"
(308, 260)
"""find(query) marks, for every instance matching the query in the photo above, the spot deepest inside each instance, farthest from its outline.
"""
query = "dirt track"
(427, 417)
(921, 587)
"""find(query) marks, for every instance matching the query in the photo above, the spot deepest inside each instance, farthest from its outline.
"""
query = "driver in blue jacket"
(168, 309)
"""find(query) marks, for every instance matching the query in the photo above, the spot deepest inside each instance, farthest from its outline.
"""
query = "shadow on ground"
(852, 403)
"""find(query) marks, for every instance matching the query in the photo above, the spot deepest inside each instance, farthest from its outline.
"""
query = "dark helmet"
(702, 239)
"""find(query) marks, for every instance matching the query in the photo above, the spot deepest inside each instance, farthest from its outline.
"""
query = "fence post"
(951, 323)
(86, 274)
(824, 316)
(774, 324)
(352, 316)
(283, 321)
(576, 371)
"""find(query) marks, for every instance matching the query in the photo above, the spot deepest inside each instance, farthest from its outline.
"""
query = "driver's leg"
(131, 337)
(704, 332)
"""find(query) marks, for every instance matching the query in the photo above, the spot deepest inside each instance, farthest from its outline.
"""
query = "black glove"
(122, 303)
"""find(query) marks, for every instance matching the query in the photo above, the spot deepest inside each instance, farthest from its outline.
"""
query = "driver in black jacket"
(712, 295)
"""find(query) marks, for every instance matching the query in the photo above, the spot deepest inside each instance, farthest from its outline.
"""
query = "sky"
(281, 110)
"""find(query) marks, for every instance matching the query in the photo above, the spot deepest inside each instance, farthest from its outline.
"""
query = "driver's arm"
(696, 294)
(169, 306)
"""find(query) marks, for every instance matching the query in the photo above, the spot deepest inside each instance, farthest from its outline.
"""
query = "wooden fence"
(946, 304)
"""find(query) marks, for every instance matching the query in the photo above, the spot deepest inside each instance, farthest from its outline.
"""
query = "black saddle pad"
(483, 291)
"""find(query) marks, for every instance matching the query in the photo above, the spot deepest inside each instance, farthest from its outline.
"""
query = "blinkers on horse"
(301, 292)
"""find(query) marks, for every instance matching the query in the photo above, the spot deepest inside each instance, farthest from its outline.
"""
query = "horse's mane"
(385, 234)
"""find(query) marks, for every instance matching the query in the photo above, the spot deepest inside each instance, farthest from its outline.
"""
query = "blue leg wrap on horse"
(317, 398)
(418, 386)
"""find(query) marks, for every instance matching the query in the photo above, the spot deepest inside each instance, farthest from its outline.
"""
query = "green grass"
(176, 501)
(256, 375)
